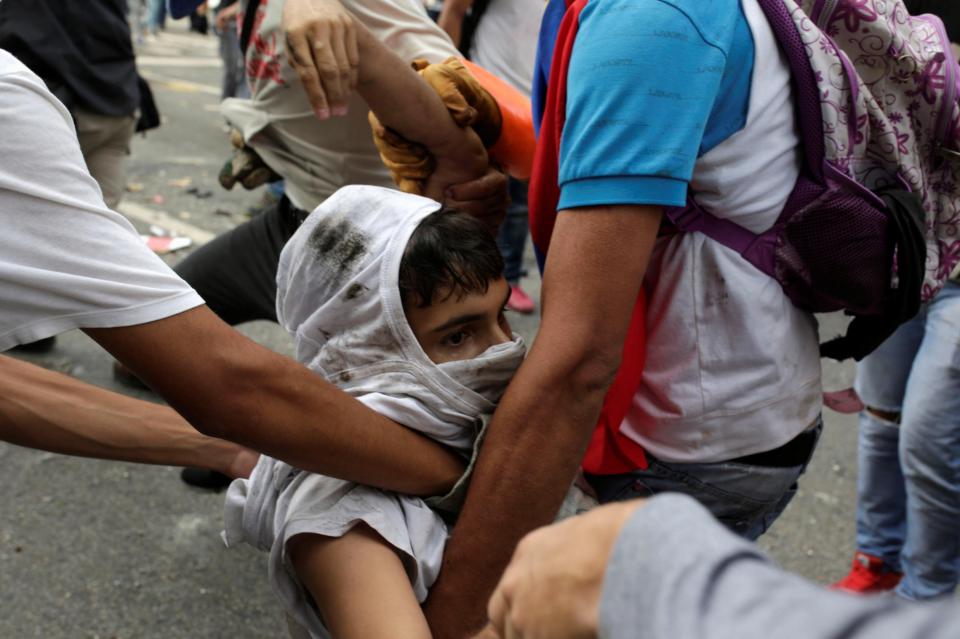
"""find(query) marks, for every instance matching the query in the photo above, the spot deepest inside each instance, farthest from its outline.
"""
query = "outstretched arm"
(596, 263)
(51, 411)
(235, 389)
(669, 568)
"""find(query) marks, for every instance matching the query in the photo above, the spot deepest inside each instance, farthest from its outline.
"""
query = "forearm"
(529, 458)
(451, 18)
(238, 390)
(51, 411)
(405, 103)
(677, 573)
(540, 430)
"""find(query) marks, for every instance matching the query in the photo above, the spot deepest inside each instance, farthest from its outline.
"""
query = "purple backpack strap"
(758, 249)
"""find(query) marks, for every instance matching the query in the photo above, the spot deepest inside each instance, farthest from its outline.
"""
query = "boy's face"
(461, 328)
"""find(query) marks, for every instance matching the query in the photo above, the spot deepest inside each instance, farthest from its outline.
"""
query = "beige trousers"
(105, 143)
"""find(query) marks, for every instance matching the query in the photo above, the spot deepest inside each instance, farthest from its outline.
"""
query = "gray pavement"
(112, 550)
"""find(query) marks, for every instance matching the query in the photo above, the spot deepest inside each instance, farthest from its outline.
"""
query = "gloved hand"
(469, 104)
(245, 167)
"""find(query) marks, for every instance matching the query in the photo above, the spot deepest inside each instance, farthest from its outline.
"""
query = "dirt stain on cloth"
(339, 245)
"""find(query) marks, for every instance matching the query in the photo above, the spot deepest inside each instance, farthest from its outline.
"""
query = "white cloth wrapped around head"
(337, 294)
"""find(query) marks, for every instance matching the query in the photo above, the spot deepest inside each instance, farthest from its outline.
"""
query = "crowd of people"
(404, 472)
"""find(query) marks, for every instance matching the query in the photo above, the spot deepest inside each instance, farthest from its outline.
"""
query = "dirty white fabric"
(338, 296)
(316, 157)
(66, 260)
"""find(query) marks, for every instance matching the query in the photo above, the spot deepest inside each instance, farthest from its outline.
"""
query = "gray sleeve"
(676, 573)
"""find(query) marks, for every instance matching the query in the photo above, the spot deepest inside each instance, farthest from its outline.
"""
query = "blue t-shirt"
(652, 85)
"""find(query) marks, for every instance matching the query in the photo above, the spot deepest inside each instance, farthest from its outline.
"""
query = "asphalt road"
(104, 549)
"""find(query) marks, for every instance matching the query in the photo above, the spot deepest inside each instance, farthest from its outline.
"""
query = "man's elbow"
(234, 393)
(594, 372)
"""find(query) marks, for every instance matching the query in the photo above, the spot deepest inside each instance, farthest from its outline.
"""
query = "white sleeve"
(66, 260)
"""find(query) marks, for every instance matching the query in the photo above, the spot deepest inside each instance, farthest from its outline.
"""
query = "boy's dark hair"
(449, 252)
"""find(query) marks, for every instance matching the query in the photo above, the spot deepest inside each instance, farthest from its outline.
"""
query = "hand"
(322, 48)
(225, 16)
(486, 198)
(242, 463)
(551, 588)
(488, 632)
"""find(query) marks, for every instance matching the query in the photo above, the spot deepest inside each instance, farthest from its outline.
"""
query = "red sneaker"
(868, 574)
(519, 300)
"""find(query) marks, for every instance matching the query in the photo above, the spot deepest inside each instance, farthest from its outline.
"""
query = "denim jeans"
(908, 490)
(234, 82)
(156, 15)
(746, 498)
(513, 232)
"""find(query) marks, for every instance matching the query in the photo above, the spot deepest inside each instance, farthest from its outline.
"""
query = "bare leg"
(359, 585)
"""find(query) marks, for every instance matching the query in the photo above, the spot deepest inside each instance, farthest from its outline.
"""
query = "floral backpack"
(872, 224)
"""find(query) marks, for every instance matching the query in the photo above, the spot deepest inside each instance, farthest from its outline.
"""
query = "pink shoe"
(519, 301)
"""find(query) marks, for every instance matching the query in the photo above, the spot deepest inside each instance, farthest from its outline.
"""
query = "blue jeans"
(908, 490)
(746, 498)
(156, 15)
(234, 82)
(513, 233)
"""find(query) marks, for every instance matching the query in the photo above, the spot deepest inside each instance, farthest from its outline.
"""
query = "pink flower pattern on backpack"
(899, 122)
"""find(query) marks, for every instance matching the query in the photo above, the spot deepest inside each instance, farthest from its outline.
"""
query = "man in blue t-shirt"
(665, 99)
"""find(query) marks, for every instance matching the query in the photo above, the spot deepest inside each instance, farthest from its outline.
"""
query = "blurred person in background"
(501, 36)
(83, 52)
(908, 484)
(234, 84)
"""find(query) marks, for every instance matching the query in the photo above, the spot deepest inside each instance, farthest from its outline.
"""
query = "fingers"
(491, 185)
(497, 611)
(486, 198)
(300, 57)
(324, 50)
(353, 53)
(326, 57)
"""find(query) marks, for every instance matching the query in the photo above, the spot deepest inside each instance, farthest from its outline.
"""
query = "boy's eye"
(455, 339)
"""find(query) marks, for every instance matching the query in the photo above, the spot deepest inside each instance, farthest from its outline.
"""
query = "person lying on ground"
(66, 261)
(400, 303)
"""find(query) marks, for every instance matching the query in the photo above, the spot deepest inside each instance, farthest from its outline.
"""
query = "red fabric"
(610, 452)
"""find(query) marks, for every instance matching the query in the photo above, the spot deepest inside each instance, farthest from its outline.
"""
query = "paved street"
(101, 549)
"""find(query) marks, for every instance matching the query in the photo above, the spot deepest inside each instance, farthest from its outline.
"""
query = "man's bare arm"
(451, 18)
(230, 387)
(536, 441)
(333, 54)
(55, 412)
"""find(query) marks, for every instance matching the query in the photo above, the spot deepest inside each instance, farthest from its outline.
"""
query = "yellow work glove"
(469, 104)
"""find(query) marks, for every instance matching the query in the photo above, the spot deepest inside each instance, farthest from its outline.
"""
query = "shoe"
(519, 301)
(203, 478)
(868, 574)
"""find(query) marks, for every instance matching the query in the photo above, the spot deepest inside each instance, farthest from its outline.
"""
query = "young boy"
(401, 305)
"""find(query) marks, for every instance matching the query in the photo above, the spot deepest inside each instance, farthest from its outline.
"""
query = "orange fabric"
(515, 147)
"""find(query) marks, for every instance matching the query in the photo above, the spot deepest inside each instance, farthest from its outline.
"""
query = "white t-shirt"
(316, 157)
(733, 367)
(66, 260)
(505, 42)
